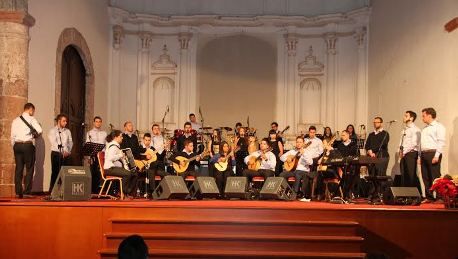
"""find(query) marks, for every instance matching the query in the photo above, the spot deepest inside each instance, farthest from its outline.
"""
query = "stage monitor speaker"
(171, 187)
(204, 187)
(72, 184)
(277, 188)
(402, 196)
(236, 187)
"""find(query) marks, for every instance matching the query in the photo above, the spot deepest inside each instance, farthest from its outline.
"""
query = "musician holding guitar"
(184, 161)
(113, 165)
(156, 166)
(297, 163)
(221, 165)
(260, 163)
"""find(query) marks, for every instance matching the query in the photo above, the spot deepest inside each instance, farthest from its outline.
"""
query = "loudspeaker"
(402, 196)
(171, 187)
(277, 188)
(204, 187)
(72, 184)
(236, 187)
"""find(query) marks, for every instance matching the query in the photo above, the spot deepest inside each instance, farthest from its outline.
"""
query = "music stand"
(91, 149)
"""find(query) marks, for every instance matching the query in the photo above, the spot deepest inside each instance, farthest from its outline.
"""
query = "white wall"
(413, 64)
(90, 18)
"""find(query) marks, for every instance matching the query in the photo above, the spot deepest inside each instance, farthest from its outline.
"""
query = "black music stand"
(91, 149)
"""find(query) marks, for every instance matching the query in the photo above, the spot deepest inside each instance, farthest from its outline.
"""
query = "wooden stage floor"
(36, 228)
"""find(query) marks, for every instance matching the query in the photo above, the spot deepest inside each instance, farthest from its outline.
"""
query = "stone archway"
(71, 36)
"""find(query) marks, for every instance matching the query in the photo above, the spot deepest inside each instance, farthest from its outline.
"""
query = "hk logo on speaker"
(236, 184)
(78, 189)
(270, 185)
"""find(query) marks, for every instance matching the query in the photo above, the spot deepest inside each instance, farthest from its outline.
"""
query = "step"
(248, 242)
(211, 253)
(215, 226)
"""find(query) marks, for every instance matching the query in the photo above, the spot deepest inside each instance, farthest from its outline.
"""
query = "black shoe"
(20, 196)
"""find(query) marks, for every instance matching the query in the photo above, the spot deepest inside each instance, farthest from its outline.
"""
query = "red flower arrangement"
(446, 188)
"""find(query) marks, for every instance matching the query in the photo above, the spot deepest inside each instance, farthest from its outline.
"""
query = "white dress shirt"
(268, 164)
(316, 148)
(20, 132)
(433, 137)
(60, 136)
(411, 140)
(113, 154)
(158, 142)
(96, 136)
(305, 160)
(196, 126)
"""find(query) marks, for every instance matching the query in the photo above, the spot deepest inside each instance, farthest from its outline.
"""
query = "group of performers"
(306, 166)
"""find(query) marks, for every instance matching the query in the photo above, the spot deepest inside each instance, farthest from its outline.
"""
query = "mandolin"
(292, 161)
(141, 164)
(180, 169)
(283, 131)
(254, 163)
(221, 166)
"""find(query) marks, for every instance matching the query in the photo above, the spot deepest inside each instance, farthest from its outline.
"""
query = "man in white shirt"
(24, 130)
(267, 159)
(96, 135)
(432, 146)
(61, 142)
(194, 124)
(408, 151)
(302, 171)
(316, 147)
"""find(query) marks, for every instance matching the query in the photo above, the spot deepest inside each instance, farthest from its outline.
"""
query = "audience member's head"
(133, 247)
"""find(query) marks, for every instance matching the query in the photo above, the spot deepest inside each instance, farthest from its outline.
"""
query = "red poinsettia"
(445, 187)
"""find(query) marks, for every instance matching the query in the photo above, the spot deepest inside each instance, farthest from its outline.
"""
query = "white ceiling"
(239, 7)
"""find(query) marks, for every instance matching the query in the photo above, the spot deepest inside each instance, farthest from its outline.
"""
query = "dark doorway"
(73, 103)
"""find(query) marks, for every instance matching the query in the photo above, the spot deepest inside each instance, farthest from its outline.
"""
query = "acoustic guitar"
(181, 169)
(292, 161)
(141, 164)
(283, 131)
(221, 166)
(254, 163)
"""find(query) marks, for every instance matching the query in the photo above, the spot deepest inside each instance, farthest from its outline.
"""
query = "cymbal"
(226, 128)
(206, 128)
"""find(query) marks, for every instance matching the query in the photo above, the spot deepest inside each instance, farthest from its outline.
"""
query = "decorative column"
(291, 44)
(185, 93)
(115, 70)
(331, 68)
(143, 81)
(14, 64)
(361, 83)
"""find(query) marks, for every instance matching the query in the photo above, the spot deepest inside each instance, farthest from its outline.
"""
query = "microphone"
(391, 121)
(83, 125)
(168, 108)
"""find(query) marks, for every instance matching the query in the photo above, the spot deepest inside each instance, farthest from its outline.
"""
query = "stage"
(35, 228)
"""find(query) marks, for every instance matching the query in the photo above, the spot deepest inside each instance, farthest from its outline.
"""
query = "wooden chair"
(101, 159)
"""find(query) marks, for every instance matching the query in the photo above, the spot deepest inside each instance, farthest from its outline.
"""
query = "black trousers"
(129, 179)
(298, 175)
(95, 174)
(350, 177)
(380, 168)
(261, 172)
(156, 169)
(408, 166)
(24, 155)
(57, 160)
(221, 177)
(190, 173)
(429, 171)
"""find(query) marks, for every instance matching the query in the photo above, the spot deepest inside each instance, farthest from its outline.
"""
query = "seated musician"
(224, 156)
(130, 140)
(187, 152)
(187, 135)
(347, 148)
(113, 165)
(316, 146)
(156, 167)
(302, 168)
(265, 157)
